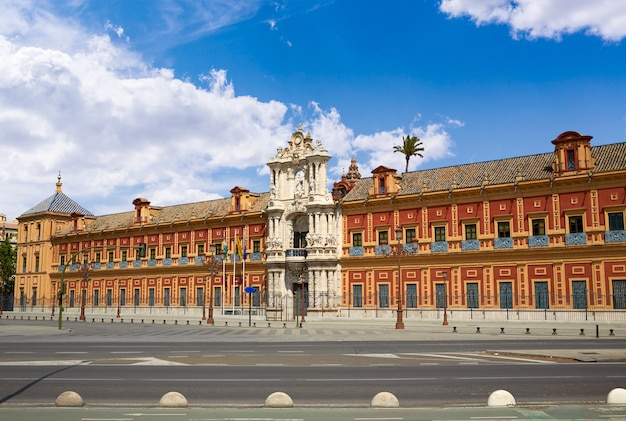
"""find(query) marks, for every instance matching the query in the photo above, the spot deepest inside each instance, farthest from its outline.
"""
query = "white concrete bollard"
(173, 400)
(501, 398)
(616, 396)
(279, 400)
(69, 398)
(385, 400)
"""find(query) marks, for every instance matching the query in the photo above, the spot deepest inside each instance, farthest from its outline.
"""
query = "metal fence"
(378, 305)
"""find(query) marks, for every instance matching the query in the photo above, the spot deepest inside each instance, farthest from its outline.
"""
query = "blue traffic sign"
(249, 290)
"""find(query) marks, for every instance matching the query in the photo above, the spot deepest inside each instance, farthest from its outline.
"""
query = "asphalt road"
(331, 370)
(414, 385)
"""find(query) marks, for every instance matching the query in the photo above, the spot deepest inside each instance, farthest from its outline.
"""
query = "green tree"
(8, 261)
(411, 146)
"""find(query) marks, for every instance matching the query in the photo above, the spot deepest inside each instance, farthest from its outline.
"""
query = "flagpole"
(224, 259)
(234, 277)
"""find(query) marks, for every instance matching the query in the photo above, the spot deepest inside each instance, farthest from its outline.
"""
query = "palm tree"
(411, 145)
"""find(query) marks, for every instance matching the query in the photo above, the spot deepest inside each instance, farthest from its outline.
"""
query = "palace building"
(528, 234)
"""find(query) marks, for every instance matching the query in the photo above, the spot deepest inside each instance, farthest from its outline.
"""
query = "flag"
(244, 249)
(225, 247)
(239, 248)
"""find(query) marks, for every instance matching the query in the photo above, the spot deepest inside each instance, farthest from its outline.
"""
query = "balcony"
(439, 246)
(578, 238)
(357, 251)
(298, 255)
(617, 236)
(382, 249)
(538, 241)
(469, 245)
(503, 243)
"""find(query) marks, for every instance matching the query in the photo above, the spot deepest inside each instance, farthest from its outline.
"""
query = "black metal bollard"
(528, 331)
(477, 329)
(554, 331)
(454, 329)
(501, 330)
(582, 332)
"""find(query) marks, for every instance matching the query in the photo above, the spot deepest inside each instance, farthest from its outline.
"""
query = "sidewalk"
(241, 329)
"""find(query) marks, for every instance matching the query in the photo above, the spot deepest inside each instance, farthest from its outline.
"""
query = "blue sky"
(179, 101)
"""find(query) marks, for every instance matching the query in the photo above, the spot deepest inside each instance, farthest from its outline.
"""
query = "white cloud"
(436, 141)
(115, 127)
(546, 18)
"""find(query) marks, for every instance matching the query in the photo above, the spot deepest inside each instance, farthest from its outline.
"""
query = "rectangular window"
(575, 224)
(153, 253)
(111, 257)
(357, 295)
(98, 257)
(36, 263)
(123, 297)
(571, 160)
(200, 249)
(34, 301)
(151, 297)
(411, 296)
(109, 297)
(62, 260)
(616, 221)
(256, 297)
(470, 232)
(383, 296)
(183, 251)
(381, 185)
(183, 297)
(256, 246)
(619, 294)
(472, 295)
(506, 295)
(440, 233)
(136, 297)
(217, 296)
(199, 296)
(579, 292)
(538, 226)
(383, 237)
(440, 290)
(410, 235)
(218, 248)
(166, 297)
(72, 298)
(124, 256)
(504, 229)
(541, 295)
(357, 239)
(96, 298)
(168, 252)
(24, 264)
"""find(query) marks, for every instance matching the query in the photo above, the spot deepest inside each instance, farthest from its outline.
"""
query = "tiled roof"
(532, 167)
(168, 214)
(57, 203)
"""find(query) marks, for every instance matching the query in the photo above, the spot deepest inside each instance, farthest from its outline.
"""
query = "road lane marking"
(126, 352)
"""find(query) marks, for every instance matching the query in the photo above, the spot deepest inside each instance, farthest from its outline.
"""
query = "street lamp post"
(54, 291)
(213, 270)
(119, 299)
(86, 275)
(401, 252)
(399, 321)
(445, 299)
